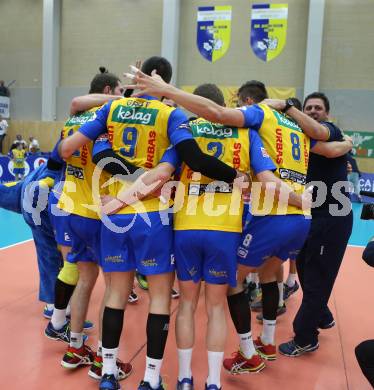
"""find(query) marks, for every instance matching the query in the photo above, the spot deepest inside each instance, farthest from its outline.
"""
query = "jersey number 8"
(295, 141)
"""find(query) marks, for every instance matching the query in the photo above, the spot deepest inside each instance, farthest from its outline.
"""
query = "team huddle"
(143, 188)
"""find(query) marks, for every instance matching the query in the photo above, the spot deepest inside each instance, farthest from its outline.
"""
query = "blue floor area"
(13, 228)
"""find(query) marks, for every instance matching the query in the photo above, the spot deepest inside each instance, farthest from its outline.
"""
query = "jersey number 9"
(129, 139)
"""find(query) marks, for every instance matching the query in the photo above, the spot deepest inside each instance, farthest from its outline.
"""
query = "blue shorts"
(85, 239)
(206, 254)
(276, 235)
(146, 247)
(60, 223)
(247, 216)
(18, 171)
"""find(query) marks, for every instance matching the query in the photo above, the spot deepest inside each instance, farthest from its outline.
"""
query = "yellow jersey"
(77, 195)
(140, 130)
(18, 158)
(202, 203)
(289, 148)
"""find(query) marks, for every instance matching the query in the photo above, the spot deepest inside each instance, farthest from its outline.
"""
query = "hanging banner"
(213, 31)
(268, 30)
(32, 162)
(363, 143)
(230, 93)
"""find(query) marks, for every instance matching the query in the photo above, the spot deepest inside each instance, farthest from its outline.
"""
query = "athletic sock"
(215, 360)
(280, 289)
(110, 361)
(291, 280)
(184, 360)
(50, 306)
(152, 372)
(268, 331)
(58, 319)
(76, 340)
(157, 333)
(111, 334)
(246, 345)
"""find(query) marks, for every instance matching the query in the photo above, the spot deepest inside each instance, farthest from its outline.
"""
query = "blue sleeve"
(335, 132)
(102, 143)
(97, 126)
(312, 143)
(55, 155)
(253, 116)
(171, 156)
(260, 159)
(178, 128)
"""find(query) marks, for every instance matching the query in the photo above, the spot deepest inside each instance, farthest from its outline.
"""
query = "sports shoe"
(133, 297)
(212, 387)
(256, 306)
(142, 281)
(266, 351)
(185, 384)
(109, 382)
(281, 310)
(174, 294)
(75, 357)
(328, 325)
(288, 291)
(47, 313)
(239, 364)
(95, 371)
(62, 334)
(146, 386)
(291, 349)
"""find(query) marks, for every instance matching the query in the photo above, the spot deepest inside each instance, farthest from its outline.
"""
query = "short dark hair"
(161, 65)
(297, 103)
(211, 92)
(318, 95)
(103, 79)
(253, 89)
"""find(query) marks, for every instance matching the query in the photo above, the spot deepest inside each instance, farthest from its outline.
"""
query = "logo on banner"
(268, 30)
(213, 31)
(11, 168)
(39, 161)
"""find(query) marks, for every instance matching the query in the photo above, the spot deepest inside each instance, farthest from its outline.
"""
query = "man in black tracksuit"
(319, 261)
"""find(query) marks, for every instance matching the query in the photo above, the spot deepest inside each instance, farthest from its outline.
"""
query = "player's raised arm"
(205, 108)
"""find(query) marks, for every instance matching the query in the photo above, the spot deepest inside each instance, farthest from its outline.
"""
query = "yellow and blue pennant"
(213, 31)
(268, 30)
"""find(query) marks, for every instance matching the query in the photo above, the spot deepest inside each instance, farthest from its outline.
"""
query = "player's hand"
(149, 85)
(348, 138)
(306, 198)
(276, 104)
(244, 182)
(110, 205)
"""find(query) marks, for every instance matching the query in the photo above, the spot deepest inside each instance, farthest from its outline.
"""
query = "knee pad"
(69, 274)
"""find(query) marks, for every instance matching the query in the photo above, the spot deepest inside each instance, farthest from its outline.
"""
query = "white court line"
(30, 239)
(18, 243)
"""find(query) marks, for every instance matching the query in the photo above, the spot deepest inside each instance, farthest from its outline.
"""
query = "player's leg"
(215, 302)
(95, 371)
